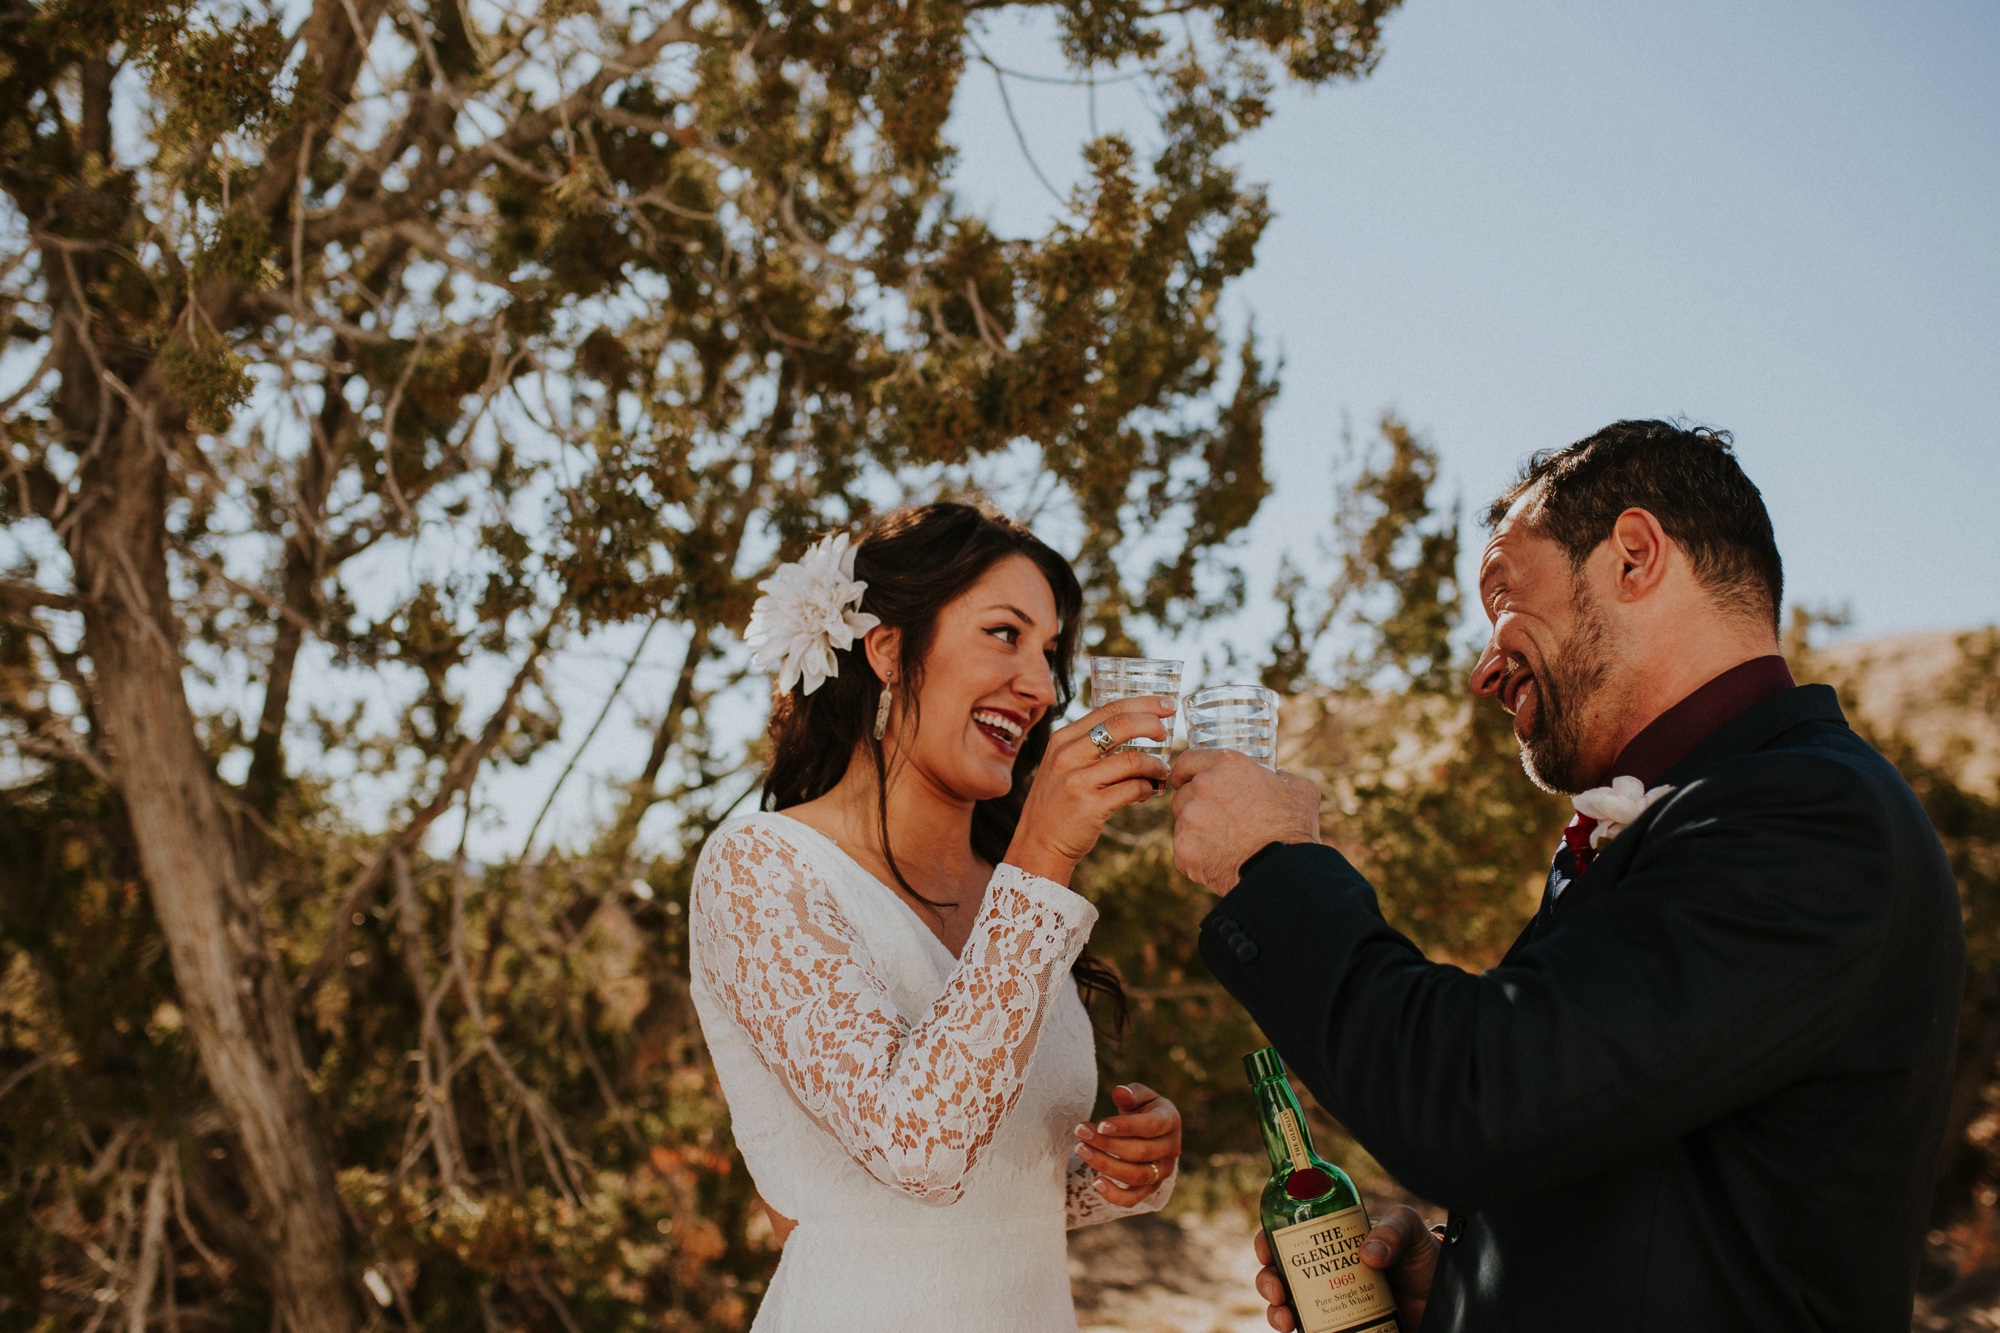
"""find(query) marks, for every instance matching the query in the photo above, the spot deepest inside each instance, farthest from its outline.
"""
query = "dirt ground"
(1191, 1274)
(1186, 1274)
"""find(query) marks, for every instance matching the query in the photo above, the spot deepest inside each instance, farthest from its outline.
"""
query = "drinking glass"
(1115, 678)
(1235, 717)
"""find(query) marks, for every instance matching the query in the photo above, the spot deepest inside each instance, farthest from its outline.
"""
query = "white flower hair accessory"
(806, 612)
(1615, 807)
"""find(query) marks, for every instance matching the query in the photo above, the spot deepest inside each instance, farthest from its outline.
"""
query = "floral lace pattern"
(915, 1104)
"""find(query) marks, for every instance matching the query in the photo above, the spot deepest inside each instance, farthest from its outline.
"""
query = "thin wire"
(1089, 80)
(1000, 81)
(528, 843)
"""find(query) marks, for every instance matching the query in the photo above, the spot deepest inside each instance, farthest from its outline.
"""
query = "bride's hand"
(1076, 788)
(1133, 1151)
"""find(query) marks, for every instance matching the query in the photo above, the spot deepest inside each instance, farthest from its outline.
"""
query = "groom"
(1705, 1089)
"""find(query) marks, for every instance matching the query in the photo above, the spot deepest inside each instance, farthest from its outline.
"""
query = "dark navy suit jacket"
(1704, 1094)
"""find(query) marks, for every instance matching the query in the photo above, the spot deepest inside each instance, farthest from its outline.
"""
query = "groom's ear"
(884, 647)
(1641, 551)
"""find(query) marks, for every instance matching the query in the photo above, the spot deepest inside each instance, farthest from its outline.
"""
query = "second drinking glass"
(1235, 717)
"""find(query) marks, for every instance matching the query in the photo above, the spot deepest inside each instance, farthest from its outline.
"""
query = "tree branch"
(21, 595)
(434, 1062)
(333, 432)
(528, 843)
(347, 221)
(335, 35)
(464, 765)
(558, 1156)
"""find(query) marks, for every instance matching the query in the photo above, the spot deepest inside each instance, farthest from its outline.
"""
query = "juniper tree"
(412, 340)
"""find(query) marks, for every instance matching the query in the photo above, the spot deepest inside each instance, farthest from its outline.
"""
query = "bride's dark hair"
(916, 561)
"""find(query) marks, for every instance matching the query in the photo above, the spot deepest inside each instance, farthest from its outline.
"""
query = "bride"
(887, 960)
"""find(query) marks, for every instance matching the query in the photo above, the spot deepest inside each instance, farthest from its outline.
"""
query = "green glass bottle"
(1314, 1218)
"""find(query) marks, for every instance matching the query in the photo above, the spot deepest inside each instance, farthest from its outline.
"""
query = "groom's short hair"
(1686, 477)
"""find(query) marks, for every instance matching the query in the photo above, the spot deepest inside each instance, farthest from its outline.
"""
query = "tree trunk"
(237, 1004)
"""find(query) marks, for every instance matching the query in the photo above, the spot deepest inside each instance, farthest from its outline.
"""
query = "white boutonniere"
(1615, 806)
(806, 612)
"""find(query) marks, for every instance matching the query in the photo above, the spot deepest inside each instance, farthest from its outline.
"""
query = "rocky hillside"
(1927, 687)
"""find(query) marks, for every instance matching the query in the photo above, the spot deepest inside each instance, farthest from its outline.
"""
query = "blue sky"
(1539, 217)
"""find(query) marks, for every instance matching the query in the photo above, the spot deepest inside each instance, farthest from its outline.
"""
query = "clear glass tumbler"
(1115, 678)
(1235, 717)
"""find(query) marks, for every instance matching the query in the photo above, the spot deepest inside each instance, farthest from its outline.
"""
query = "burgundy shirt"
(1669, 738)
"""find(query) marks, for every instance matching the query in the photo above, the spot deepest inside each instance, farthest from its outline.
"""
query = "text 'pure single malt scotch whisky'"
(1314, 1218)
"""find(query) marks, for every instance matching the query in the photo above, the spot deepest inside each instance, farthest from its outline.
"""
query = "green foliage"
(437, 339)
(235, 248)
(211, 79)
(1965, 811)
(586, 1168)
(101, 1072)
(1395, 598)
(210, 379)
(435, 342)
(1428, 787)
(1976, 682)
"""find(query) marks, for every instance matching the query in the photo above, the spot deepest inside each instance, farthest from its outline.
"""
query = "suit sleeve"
(1717, 970)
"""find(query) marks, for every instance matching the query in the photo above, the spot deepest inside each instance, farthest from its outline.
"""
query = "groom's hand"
(1399, 1243)
(1227, 807)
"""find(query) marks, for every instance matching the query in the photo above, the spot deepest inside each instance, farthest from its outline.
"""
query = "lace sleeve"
(1083, 1206)
(913, 1104)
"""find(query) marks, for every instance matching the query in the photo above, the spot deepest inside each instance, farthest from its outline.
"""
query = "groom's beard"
(1551, 752)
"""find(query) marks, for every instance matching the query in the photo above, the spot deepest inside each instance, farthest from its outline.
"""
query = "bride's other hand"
(1133, 1151)
(1076, 788)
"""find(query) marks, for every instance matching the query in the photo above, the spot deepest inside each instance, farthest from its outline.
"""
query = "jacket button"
(1246, 951)
(1224, 926)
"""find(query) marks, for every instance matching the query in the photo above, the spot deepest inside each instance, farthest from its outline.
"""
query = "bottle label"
(1295, 1142)
(1332, 1290)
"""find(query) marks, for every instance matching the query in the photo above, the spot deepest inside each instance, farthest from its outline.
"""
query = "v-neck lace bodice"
(819, 838)
(913, 1111)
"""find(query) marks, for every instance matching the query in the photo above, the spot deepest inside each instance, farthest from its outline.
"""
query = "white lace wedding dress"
(915, 1112)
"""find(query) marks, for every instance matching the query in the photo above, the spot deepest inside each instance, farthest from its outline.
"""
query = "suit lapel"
(1754, 729)
(1521, 941)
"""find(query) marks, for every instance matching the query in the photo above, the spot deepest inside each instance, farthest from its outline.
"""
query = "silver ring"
(1100, 736)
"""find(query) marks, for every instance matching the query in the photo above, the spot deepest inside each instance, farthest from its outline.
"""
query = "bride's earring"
(882, 712)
